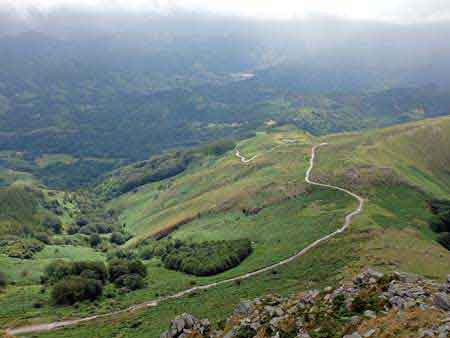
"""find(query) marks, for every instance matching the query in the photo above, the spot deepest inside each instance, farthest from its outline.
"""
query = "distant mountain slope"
(131, 95)
(417, 154)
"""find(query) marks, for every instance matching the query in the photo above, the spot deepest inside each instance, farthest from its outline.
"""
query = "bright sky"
(390, 10)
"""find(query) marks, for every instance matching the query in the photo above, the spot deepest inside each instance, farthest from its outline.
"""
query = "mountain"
(217, 199)
(171, 83)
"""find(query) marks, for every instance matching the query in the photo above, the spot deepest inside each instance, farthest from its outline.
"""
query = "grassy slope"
(217, 186)
(392, 233)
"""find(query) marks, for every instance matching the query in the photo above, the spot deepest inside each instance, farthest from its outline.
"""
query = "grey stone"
(425, 333)
(442, 301)
(230, 334)
(355, 320)
(243, 308)
(369, 333)
(353, 335)
(370, 314)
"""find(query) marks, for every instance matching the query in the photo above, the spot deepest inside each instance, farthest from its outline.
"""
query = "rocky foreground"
(372, 305)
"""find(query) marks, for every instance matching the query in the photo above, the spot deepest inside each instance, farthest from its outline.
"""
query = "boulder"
(442, 301)
(243, 308)
(353, 335)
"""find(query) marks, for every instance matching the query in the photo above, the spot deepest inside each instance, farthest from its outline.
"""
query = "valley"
(267, 200)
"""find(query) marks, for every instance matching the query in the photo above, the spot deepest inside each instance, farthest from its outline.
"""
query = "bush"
(146, 253)
(444, 240)
(73, 229)
(81, 222)
(94, 240)
(441, 219)
(53, 223)
(117, 238)
(3, 280)
(43, 237)
(121, 267)
(97, 269)
(88, 230)
(122, 254)
(103, 229)
(218, 148)
(208, 258)
(58, 270)
(131, 281)
(75, 289)
(22, 248)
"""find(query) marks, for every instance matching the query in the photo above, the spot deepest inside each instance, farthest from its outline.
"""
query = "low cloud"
(405, 11)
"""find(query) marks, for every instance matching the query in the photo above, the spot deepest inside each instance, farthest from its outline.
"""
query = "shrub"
(97, 269)
(121, 267)
(75, 289)
(444, 239)
(122, 254)
(43, 237)
(73, 229)
(88, 230)
(218, 148)
(117, 238)
(81, 222)
(3, 280)
(94, 240)
(103, 229)
(208, 258)
(441, 219)
(131, 281)
(58, 270)
(22, 248)
(146, 253)
(52, 223)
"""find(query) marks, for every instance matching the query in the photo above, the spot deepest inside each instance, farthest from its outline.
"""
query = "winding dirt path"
(153, 303)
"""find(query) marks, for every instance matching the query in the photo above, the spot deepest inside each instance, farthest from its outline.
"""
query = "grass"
(28, 271)
(215, 186)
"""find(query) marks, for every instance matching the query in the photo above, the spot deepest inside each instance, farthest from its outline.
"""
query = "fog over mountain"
(76, 72)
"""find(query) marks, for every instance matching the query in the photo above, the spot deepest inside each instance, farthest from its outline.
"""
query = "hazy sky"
(386, 10)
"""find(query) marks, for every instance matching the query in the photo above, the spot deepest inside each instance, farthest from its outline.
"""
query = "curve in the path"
(153, 303)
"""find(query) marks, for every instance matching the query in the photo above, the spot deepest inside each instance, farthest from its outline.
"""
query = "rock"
(183, 323)
(444, 329)
(353, 335)
(370, 314)
(425, 333)
(355, 321)
(230, 334)
(279, 311)
(328, 289)
(243, 308)
(442, 301)
(369, 333)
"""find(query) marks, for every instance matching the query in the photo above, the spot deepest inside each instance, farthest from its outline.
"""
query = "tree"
(131, 282)
(75, 289)
(94, 240)
(53, 223)
(3, 280)
(117, 238)
(73, 229)
(43, 237)
(444, 239)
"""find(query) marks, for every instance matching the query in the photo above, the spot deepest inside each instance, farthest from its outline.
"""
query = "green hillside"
(216, 197)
